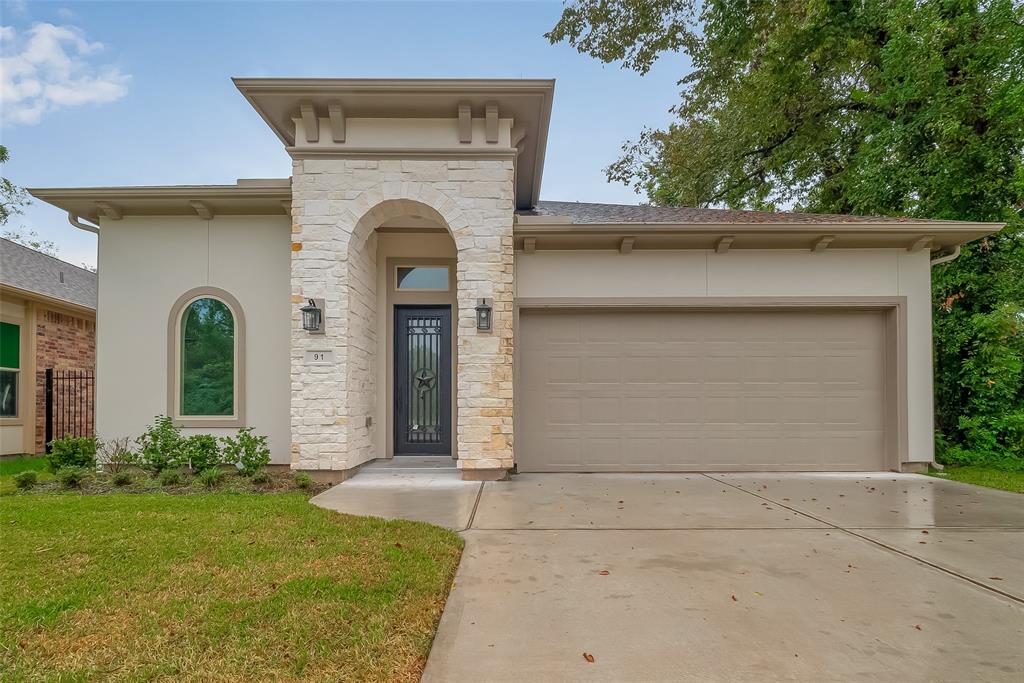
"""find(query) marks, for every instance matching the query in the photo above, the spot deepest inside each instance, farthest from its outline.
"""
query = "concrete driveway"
(831, 577)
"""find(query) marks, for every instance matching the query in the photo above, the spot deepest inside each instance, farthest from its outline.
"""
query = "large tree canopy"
(887, 107)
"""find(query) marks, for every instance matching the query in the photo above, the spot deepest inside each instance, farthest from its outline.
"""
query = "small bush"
(71, 477)
(121, 479)
(116, 455)
(200, 452)
(73, 451)
(262, 477)
(247, 452)
(170, 478)
(211, 477)
(160, 446)
(303, 480)
(26, 480)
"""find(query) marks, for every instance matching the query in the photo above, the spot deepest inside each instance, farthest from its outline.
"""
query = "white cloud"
(47, 68)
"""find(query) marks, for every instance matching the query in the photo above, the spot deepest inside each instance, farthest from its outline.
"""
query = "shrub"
(211, 477)
(121, 479)
(200, 452)
(71, 477)
(160, 445)
(303, 480)
(73, 451)
(170, 478)
(116, 456)
(262, 477)
(26, 480)
(247, 452)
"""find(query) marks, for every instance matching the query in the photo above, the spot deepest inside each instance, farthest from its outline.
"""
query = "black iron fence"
(70, 404)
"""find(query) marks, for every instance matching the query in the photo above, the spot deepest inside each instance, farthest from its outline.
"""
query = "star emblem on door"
(424, 380)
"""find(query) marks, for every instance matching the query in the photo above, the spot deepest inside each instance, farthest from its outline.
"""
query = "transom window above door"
(421, 278)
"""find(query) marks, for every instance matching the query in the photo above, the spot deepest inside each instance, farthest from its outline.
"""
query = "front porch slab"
(429, 494)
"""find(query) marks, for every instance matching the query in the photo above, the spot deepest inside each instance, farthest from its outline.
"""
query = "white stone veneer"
(337, 204)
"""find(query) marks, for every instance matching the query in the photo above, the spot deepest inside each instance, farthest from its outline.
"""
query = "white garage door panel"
(727, 390)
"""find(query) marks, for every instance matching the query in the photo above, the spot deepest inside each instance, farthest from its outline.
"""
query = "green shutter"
(10, 345)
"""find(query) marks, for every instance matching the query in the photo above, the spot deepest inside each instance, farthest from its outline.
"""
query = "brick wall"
(63, 342)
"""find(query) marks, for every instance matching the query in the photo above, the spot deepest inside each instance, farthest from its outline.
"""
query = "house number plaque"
(319, 357)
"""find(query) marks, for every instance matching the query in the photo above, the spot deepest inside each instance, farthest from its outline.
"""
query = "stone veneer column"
(336, 206)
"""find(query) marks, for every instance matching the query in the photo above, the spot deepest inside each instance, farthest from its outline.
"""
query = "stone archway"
(337, 205)
(364, 382)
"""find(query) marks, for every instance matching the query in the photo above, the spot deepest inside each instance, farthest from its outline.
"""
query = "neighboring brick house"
(406, 292)
(47, 320)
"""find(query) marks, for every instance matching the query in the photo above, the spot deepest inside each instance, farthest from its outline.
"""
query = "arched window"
(206, 365)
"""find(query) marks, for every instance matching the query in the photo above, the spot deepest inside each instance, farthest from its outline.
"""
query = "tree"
(13, 199)
(887, 107)
(32, 240)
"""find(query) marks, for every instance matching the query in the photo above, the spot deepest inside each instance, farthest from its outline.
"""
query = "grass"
(984, 476)
(11, 466)
(217, 587)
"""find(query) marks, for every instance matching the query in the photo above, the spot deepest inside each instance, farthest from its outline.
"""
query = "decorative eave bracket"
(923, 242)
(109, 211)
(202, 209)
(336, 114)
(310, 122)
(823, 243)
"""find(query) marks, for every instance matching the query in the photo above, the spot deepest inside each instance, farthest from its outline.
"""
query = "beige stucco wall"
(12, 430)
(145, 264)
(752, 273)
(404, 134)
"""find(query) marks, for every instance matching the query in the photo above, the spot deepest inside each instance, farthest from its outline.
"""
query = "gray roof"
(33, 271)
(584, 213)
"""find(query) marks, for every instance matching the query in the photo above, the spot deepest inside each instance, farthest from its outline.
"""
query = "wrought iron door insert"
(423, 367)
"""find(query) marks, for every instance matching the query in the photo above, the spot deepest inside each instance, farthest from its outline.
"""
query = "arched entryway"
(402, 315)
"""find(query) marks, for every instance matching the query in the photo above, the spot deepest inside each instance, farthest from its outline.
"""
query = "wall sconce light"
(313, 316)
(483, 314)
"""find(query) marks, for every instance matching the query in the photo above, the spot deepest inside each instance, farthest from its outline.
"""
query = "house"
(47, 321)
(406, 292)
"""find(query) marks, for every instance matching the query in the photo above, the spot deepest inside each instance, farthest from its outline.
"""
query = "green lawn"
(225, 587)
(984, 476)
(11, 466)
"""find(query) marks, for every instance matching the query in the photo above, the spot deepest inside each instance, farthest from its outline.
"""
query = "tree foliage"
(13, 199)
(887, 107)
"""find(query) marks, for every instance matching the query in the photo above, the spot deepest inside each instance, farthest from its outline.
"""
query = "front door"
(423, 373)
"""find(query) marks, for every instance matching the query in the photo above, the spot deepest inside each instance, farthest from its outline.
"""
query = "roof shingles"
(587, 213)
(33, 271)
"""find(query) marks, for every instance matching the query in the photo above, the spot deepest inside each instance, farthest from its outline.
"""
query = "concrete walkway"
(732, 577)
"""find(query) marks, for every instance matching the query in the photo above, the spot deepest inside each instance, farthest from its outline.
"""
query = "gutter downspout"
(953, 255)
(74, 220)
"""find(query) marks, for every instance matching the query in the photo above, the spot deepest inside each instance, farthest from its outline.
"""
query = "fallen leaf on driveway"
(734, 599)
(603, 572)
(924, 531)
(589, 657)
(917, 626)
(996, 578)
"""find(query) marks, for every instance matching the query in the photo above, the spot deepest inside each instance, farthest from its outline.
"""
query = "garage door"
(602, 391)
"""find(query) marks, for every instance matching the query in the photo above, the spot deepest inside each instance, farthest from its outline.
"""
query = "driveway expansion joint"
(852, 532)
(476, 504)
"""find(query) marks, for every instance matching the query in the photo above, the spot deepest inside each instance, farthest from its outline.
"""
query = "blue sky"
(140, 93)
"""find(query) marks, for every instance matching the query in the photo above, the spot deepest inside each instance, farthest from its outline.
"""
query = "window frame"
(174, 351)
(16, 419)
(448, 277)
